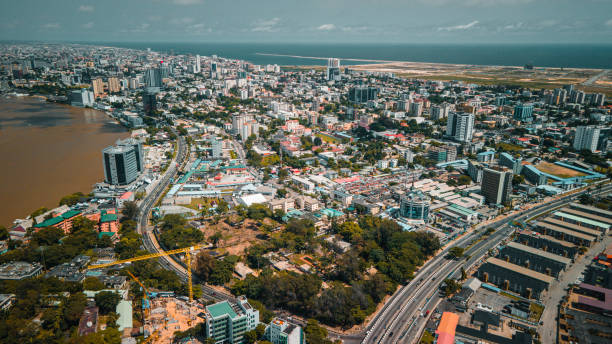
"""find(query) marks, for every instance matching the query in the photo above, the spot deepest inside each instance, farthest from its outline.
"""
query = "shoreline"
(54, 202)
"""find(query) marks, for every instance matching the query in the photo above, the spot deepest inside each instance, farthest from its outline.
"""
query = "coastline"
(89, 130)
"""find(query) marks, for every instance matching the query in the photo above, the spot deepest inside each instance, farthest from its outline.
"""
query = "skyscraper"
(97, 86)
(149, 100)
(122, 162)
(460, 126)
(113, 85)
(496, 185)
(213, 69)
(153, 78)
(197, 67)
(440, 111)
(587, 138)
(333, 69)
(523, 112)
(217, 148)
(81, 97)
(361, 94)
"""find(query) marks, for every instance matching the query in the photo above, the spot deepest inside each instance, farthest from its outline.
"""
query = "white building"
(460, 126)
(586, 138)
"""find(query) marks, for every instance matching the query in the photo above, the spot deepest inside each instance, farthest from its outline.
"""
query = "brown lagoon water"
(47, 151)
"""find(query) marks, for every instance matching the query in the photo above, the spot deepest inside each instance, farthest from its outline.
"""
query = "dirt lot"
(235, 239)
(558, 171)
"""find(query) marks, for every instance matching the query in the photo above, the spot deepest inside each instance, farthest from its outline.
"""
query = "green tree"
(282, 174)
(215, 238)
(107, 301)
(315, 334)
(73, 307)
(93, 283)
(204, 265)
(456, 252)
(130, 210)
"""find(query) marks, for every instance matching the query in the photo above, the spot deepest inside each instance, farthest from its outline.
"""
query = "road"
(401, 316)
(592, 79)
(149, 240)
(398, 315)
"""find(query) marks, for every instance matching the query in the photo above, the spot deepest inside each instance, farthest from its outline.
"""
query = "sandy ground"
(557, 170)
(235, 239)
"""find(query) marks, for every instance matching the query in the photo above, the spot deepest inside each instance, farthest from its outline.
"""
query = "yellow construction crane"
(187, 250)
(146, 301)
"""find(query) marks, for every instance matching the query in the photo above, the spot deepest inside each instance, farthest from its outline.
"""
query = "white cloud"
(51, 26)
(182, 21)
(88, 25)
(187, 2)
(609, 22)
(327, 27)
(471, 3)
(354, 28)
(266, 25)
(86, 8)
(459, 27)
(515, 26)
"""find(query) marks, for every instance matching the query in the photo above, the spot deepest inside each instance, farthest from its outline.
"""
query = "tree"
(250, 337)
(130, 210)
(215, 238)
(204, 265)
(107, 301)
(282, 174)
(93, 283)
(73, 308)
(451, 287)
(463, 274)
(4, 234)
(518, 179)
(456, 252)
(315, 334)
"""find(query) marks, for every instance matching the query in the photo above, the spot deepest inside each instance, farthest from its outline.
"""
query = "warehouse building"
(547, 243)
(514, 277)
(594, 217)
(565, 234)
(592, 210)
(573, 227)
(534, 259)
(582, 221)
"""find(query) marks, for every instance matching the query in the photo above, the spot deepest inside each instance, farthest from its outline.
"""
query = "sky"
(309, 21)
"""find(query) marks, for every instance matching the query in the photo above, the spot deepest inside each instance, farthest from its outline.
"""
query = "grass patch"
(427, 338)
(327, 138)
(510, 296)
(559, 171)
(535, 311)
(508, 147)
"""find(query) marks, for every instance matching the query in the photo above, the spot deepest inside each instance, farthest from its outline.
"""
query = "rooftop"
(521, 270)
(220, 309)
(539, 252)
(582, 219)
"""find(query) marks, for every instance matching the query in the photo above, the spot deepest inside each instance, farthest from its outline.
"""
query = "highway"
(149, 240)
(594, 78)
(400, 321)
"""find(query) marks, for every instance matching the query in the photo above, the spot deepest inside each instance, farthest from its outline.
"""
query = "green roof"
(220, 309)
(101, 234)
(108, 217)
(462, 210)
(70, 213)
(50, 222)
(583, 220)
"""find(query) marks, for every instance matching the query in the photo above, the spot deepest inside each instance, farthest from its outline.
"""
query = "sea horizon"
(552, 55)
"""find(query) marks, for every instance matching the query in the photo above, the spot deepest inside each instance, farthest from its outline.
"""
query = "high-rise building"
(333, 70)
(122, 162)
(282, 332)
(217, 148)
(440, 111)
(460, 126)
(213, 69)
(113, 85)
(500, 101)
(361, 94)
(496, 185)
(587, 138)
(98, 87)
(523, 112)
(149, 100)
(577, 97)
(198, 67)
(507, 160)
(81, 97)
(416, 109)
(227, 322)
(414, 206)
(153, 78)
(598, 99)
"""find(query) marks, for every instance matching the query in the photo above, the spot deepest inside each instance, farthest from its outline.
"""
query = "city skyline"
(419, 21)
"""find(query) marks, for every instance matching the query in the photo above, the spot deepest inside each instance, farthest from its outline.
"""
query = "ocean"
(540, 55)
